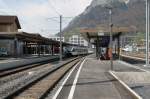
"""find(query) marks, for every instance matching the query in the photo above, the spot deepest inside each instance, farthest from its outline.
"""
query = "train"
(75, 51)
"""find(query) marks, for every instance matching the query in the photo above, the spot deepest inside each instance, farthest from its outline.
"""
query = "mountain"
(125, 13)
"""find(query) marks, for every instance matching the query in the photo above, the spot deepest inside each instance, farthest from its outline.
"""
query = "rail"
(43, 82)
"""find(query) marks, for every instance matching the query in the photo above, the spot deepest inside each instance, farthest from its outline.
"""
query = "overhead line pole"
(60, 54)
(146, 35)
(148, 28)
(60, 33)
(147, 32)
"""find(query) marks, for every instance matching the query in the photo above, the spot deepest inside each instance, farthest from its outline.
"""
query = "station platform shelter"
(19, 44)
(100, 37)
(16, 44)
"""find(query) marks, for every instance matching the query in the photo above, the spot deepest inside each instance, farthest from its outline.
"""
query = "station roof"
(23, 36)
(88, 33)
(32, 38)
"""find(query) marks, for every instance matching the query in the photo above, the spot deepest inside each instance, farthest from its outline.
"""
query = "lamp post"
(147, 31)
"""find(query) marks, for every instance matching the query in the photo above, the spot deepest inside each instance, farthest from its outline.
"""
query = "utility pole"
(111, 39)
(78, 46)
(60, 52)
(147, 32)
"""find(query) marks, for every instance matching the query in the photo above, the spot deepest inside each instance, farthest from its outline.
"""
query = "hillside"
(125, 13)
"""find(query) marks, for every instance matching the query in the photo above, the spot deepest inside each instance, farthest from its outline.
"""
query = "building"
(57, 38)
(14, 43)
(9, 24)
(78, 40)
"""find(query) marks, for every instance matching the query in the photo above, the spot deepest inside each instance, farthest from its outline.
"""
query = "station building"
(9, 26)
(16, 44)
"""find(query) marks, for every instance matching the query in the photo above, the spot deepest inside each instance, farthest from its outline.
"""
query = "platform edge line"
(133, 66)
(133, 93)
(75, 81)
(62, 85)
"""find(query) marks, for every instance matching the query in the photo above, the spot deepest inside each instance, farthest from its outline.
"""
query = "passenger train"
(76, 50)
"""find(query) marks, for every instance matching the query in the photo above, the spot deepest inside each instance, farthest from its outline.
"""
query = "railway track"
(133, 59)
(36, 87)
(24, 67)
(138, 55)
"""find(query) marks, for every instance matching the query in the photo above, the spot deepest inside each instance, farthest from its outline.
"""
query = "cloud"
(33, 14)
(4, 9)
(36, 10)
(70, 7)
(2, 4)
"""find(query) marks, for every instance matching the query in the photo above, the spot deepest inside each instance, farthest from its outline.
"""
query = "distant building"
(57, 38)
(9, 24)
(76, 39)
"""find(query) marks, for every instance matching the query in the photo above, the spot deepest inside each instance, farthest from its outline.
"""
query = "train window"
(75, 39)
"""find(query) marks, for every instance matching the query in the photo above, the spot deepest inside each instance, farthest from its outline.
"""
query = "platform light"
(111, 37)
(110, 7)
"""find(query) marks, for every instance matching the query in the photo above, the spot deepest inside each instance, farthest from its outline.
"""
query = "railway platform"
(78, 78)
(92, 80)
(15, 62)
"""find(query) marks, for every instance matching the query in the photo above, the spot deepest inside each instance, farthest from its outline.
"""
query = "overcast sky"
(34, 14)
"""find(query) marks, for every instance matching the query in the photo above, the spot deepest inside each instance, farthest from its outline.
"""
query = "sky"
(42, 16)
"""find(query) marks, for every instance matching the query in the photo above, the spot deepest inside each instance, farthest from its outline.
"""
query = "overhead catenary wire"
(54, 9)
(65, 20)
(53, 19)
(60, 52)
(57, 12)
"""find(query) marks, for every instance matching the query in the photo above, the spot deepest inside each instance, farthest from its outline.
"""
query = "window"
(58, 39)
(75, 42)
(75, 39)
(82, 41)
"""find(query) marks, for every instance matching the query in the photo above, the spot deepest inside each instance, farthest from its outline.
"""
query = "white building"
(76, 39)
(57, 38)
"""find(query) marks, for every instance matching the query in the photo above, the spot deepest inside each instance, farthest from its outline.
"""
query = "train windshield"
(70, 49)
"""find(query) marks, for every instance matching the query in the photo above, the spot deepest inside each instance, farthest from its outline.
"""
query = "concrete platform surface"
(134, 77)
(12, 63)
(95, 82)
(91, 80)
(138, 81)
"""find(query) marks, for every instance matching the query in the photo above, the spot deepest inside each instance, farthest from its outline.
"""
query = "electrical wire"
(53, 19)
(54, 9)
